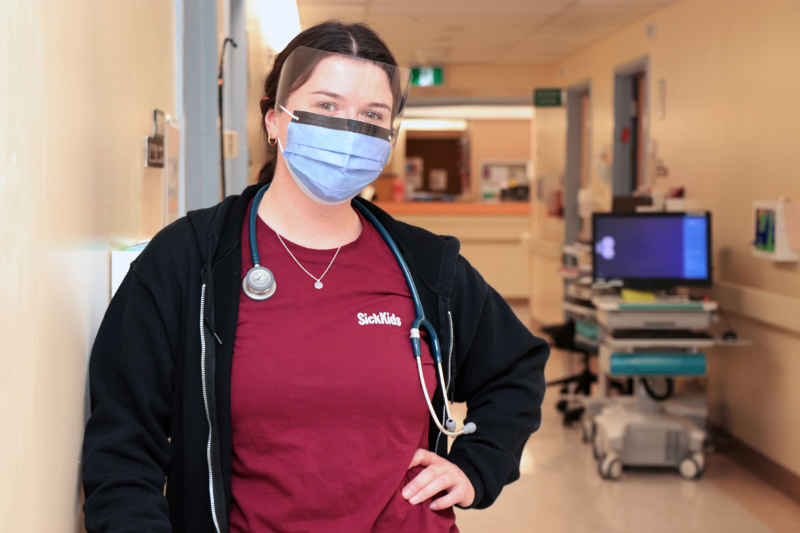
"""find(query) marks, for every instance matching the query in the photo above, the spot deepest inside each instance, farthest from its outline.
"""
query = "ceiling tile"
(477, 31)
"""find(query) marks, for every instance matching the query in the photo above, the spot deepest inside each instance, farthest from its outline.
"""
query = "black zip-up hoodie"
(160, 374)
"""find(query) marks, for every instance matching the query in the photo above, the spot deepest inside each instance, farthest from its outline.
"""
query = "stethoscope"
(259, 284)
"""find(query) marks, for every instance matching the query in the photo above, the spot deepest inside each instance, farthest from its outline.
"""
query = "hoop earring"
(271, 141)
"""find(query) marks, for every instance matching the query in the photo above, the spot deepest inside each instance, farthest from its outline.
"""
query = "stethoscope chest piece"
(259, 283)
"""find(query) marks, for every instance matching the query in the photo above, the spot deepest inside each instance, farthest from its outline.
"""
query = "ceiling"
(492, 32)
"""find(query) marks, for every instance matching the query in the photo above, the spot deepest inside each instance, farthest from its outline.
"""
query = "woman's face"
(339, 87)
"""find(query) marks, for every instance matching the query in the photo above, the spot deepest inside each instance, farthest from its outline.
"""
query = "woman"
(284, 396)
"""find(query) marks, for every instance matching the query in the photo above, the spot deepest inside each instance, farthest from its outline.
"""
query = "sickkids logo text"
(379, 318)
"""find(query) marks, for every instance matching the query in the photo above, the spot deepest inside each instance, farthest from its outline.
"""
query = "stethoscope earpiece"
(259, 283)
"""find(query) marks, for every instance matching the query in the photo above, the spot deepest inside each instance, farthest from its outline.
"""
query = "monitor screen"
(652, 250)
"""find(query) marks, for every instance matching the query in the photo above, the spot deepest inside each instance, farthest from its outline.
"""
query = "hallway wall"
(486, 81)
(729, 136)
(78, 84)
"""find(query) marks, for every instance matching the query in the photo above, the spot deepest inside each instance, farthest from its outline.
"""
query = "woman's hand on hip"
(439, 474)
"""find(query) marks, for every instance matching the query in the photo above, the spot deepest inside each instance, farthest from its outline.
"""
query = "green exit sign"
(427, 76)
(547, 98)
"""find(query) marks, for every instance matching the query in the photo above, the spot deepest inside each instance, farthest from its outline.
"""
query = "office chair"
(563, 336)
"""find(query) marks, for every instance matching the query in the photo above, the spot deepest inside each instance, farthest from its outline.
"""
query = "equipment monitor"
(652, 250)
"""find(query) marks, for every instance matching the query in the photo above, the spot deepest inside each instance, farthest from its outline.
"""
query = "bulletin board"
(498, 175)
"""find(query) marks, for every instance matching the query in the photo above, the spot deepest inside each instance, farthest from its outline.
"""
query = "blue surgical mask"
(332, 159)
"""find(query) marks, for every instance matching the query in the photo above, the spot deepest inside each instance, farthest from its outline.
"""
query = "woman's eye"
(373, 115)
(327, 106)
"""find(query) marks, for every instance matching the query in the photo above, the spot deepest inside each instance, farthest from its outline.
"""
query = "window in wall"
(443, 162)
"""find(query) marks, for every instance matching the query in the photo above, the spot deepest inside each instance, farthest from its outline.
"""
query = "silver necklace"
(318, 284)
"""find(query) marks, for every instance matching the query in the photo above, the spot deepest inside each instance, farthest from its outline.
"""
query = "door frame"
(572, 167)
(623, 95)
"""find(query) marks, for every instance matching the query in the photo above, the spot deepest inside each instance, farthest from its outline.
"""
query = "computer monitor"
(652, 250)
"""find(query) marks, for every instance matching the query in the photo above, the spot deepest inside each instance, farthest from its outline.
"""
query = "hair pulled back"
(354, 40)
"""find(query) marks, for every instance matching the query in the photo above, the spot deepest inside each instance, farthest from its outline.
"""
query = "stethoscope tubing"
(419, 323)
(252, 225)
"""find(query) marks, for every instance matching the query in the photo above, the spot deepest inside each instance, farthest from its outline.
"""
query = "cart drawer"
(658, 364)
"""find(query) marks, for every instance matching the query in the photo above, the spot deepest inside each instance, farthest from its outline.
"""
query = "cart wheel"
(598, 454)
(587, 432)
(610, 467)
(689, 469)
(562, 405)
(659, 389)
(700, 459)
(600, 470)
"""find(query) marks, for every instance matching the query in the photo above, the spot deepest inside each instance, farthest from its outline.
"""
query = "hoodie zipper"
(205, 402)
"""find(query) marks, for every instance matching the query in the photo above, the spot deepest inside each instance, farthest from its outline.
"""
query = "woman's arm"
(126, 449)
(500, 374)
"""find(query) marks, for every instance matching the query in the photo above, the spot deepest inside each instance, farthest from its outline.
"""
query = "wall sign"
(548, 98)
(427, 76)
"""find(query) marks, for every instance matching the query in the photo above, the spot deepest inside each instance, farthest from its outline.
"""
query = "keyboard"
(659, 334)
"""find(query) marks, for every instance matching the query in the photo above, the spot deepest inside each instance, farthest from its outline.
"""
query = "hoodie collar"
(218, 229)
(432, 257)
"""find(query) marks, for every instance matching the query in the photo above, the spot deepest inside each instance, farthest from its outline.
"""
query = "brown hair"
(354, 40)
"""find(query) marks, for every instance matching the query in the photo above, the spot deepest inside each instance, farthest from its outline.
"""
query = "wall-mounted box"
(771, 231)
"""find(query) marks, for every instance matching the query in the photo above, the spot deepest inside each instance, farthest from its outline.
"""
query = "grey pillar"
(235, 96)
(199, 70)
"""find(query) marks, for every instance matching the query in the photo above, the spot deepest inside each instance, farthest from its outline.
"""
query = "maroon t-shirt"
(326, 405)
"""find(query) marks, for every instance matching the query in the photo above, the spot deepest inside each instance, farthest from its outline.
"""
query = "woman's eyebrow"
(330, 94)
(340, 97)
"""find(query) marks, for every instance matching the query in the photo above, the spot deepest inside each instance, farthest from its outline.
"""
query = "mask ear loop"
(277, 139)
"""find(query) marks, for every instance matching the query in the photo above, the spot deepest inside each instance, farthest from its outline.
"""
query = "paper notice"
(437, 179)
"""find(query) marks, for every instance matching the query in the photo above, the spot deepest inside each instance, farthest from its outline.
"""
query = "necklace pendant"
(318, 285)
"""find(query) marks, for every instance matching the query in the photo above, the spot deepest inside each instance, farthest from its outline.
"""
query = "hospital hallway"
(559, 490)
(177, 177)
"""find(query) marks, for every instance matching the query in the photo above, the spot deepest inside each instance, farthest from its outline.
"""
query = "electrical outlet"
(230, 144)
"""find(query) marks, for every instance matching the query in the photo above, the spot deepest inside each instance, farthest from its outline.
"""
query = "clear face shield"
(337, 119)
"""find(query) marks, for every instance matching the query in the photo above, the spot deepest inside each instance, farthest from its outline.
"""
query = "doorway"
(577, 171)
(630, 127)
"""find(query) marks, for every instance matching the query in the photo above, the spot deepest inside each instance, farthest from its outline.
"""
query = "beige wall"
(499, 81)
(78, 84)
(729, 136)
(260, 57)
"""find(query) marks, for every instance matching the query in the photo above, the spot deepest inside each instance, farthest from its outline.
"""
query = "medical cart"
(646, 340)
